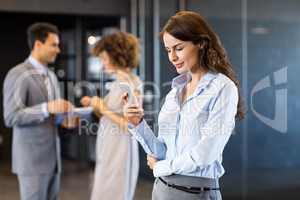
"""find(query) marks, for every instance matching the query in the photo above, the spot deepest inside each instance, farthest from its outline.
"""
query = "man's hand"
(151, 161)
(59, 106)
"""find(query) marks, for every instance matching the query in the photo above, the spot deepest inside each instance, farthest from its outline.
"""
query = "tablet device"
(82, 112)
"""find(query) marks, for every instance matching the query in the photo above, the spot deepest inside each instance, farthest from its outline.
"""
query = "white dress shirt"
(192, 134)
(43, 70)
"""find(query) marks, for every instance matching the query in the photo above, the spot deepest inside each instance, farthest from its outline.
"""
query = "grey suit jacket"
(36, 145)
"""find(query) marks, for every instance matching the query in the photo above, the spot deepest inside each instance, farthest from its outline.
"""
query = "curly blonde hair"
(190, 26)
(122, 48)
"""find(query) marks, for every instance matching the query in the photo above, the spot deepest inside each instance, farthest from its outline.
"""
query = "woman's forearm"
(118, 119)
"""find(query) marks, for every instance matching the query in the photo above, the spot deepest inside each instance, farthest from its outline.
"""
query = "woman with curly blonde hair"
(117, 159)
(197, 117)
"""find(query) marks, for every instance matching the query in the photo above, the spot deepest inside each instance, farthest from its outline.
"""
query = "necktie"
(49, 87)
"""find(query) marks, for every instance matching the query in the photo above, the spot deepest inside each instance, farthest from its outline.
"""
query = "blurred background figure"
(31, 100)
(117, 157)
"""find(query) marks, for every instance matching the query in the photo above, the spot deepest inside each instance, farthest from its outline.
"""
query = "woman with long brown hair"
(197, 117)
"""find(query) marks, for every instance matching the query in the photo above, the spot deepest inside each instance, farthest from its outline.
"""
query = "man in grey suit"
(31, 100)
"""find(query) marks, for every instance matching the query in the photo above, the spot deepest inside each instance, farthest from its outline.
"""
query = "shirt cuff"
(45, 110)
(134, 130)
(162, 168)
(183, 163)
(179, 165)
(137, 132)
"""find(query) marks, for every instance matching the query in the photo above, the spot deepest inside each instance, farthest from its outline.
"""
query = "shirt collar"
(42, 69)
(181, 80)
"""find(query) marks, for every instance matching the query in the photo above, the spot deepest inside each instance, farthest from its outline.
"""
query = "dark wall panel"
(167, 70)
(81, 7)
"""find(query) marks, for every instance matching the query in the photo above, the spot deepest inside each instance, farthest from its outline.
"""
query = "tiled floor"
(76, 184)
(260, 185)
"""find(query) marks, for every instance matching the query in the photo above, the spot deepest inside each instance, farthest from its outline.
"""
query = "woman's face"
(108, 67)
(184, 55)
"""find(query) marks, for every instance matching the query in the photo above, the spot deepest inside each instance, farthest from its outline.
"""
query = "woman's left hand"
(98, 104)
(85, 101)
(151, 161)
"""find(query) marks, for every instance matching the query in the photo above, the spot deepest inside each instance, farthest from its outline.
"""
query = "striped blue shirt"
(192, 134)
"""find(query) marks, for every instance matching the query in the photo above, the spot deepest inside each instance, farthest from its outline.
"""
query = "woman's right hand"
(134, 113)
(85, 101)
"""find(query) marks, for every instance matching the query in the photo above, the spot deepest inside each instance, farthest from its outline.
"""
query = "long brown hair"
(190, 26)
